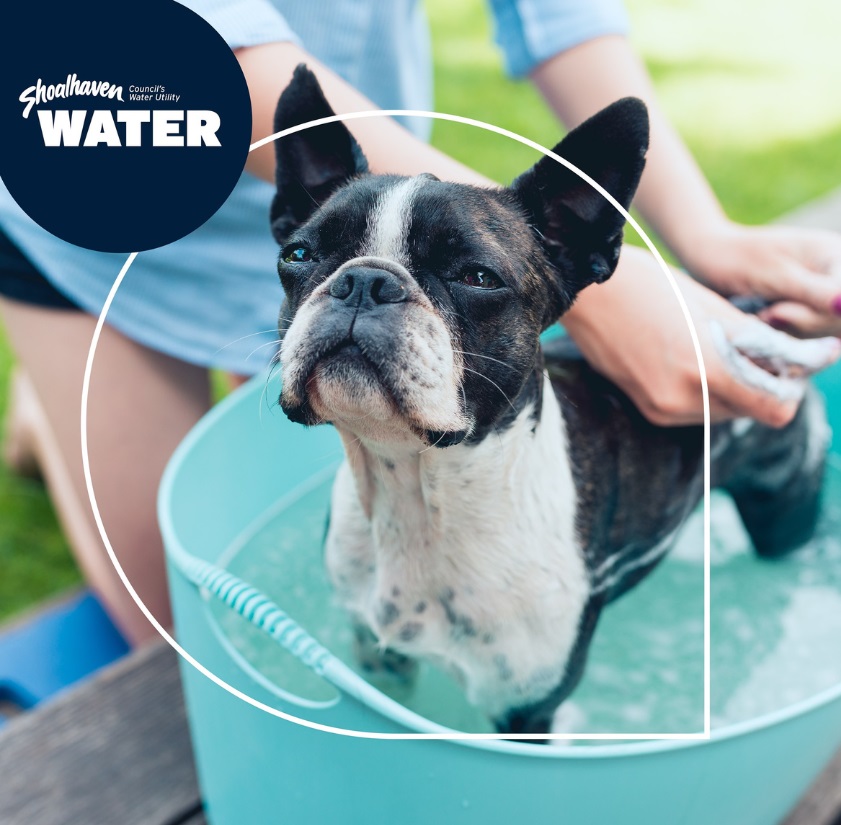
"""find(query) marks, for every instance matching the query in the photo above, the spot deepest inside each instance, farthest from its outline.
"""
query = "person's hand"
(798, 269)
(631, 329)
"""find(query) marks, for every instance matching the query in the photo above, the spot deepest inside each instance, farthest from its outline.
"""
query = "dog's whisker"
(262, 346)
(264, 394)
(490, 381)
(358, 417)
(330, 453)
(434, 444)
(244, 337)
(358, 447)
(380, 471)
(486, 357)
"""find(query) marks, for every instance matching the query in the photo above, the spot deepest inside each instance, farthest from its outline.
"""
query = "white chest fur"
(468, 556)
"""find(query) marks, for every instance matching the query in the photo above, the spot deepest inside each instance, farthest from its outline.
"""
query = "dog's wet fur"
(497, 493)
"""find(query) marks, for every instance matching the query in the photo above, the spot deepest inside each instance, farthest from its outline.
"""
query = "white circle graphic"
(449, 735)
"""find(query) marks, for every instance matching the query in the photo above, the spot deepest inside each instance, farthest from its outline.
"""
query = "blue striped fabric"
(531, 31)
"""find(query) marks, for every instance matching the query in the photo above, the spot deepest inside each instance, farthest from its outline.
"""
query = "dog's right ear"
(313, 163)
(581, 231)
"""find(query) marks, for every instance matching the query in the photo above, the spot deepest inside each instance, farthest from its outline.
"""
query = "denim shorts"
(21, 281)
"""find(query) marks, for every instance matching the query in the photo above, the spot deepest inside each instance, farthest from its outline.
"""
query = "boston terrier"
(497, 493)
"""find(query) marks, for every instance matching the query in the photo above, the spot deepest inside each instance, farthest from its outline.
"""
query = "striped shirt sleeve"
(244, 22)
(531, 31)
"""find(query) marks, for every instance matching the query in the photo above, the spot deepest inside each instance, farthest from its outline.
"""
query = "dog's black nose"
(364, 286)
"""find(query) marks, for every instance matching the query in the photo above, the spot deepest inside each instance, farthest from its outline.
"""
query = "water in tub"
(775, 625)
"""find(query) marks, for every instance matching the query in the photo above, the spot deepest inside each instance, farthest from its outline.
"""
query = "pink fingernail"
(836, 305)
(776, 323)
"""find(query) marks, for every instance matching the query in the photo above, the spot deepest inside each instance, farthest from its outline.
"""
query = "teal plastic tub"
(245, 468)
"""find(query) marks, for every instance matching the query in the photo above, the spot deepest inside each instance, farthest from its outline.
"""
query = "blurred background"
(753, 86)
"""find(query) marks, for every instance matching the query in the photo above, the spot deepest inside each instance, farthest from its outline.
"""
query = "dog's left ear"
(580, 229)
(313, 163)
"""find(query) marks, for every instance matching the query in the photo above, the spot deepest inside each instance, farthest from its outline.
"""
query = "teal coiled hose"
(257, 608)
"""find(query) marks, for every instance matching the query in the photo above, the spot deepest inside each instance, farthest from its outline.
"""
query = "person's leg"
(141, 404)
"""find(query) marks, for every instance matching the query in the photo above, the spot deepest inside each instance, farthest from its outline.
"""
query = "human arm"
(799, 266)
(654, 365)
(388, 146)
(632, 330)
(268, 49)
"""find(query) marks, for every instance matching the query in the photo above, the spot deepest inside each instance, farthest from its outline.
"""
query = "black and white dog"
(496, 494)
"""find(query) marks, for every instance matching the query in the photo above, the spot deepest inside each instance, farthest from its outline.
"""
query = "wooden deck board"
(115, 749)
(821, 805)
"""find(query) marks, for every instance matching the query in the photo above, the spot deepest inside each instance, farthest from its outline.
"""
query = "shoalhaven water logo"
(123, 131)
(120, 127)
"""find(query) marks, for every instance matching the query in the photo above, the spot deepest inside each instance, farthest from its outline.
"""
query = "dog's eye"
(480, 279)
(297, 255)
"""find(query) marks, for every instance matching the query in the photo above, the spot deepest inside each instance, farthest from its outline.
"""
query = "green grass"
(752, 86)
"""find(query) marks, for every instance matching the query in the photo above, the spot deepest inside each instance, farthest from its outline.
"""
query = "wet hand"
(799, 270)
(632, 330)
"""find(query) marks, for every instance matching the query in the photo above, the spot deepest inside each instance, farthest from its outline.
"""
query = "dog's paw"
(381, 662)
(568, 718)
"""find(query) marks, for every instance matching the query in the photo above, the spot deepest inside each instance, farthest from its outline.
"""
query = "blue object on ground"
(54, 649)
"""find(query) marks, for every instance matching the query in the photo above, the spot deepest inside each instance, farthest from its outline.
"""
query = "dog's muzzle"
(374, 344)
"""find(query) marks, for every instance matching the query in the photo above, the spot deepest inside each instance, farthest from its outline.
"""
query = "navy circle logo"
(125, 127)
